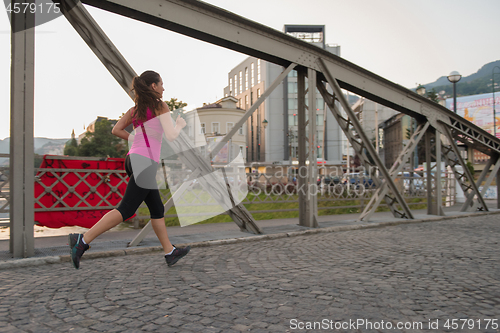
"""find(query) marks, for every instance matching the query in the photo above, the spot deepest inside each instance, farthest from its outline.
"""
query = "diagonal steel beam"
(382, 190)
(252, 109)
(468, 175)
(368, 146)
(99, 43)
(481, 178)
(491, 176)
(346, 127)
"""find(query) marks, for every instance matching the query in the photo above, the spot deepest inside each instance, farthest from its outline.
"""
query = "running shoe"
(176, 255)
(77, 248)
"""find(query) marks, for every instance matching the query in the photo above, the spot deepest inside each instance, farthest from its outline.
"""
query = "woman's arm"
(119, 129)
(171, 131)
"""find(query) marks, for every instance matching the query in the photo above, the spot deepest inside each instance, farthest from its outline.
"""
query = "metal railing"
(4, 192)
(333, 193)
(280, 194)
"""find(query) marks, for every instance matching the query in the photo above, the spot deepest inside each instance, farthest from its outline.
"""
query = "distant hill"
(42, 146)
(474, 84)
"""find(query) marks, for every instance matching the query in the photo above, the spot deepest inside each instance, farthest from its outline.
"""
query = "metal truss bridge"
(440, 128)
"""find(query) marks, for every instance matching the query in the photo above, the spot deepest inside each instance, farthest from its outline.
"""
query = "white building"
(214, 121)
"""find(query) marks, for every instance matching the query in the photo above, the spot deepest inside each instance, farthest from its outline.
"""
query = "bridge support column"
(308, 216)
(22, 177)
(433, 172)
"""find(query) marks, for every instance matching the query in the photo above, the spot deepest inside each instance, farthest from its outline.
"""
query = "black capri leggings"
(135, 195)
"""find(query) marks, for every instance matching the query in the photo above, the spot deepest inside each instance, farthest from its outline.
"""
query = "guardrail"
(280, 194)
(4, 192)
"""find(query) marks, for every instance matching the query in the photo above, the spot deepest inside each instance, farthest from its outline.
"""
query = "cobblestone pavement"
(409, 274)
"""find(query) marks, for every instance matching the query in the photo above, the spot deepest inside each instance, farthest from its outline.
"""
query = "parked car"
(357, 178)
(330, 181)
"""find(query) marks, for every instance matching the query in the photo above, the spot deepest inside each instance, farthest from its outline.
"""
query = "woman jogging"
(140, 164)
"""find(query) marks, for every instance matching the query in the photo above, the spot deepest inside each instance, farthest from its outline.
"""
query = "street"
(402, 278)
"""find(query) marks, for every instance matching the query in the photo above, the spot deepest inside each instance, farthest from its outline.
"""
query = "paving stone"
(411, 272)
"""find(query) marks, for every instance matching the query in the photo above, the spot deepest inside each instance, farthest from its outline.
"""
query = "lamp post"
(259, 138)
(494, 109)
(454, 77)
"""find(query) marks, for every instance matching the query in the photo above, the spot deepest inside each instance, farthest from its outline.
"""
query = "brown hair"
(145, 97)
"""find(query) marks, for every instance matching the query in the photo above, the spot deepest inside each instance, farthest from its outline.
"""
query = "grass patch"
(258, 203)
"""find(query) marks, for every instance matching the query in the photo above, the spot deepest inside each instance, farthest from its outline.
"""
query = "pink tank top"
(148, 135)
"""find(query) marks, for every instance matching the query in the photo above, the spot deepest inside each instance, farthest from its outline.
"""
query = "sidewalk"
(114, 243)
(412, 277)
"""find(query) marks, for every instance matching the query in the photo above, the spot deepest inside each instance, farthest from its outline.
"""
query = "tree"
(102, 143)
(71, 148)
(173, 105)
(37, 159)
(432, 95)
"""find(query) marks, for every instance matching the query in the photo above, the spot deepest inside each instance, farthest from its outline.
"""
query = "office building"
(272, 129)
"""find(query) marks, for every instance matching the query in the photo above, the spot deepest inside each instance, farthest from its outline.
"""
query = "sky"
(407, 42)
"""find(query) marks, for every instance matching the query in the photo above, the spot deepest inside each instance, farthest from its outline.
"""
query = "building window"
(320, 103)
(215, 127)
(258, 93)
(240, 130)
(230, 86)
(252, 74)
(292, 87)
(202, 128)
(246, 78)
(241, 82)
(241, 151)
(319, 119)
(229, 127)
(239, 103)
(292, 104)
(258, 70)
(246, 101)
(235, 85)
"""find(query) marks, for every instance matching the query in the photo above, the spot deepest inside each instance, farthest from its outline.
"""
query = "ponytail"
(145, 97)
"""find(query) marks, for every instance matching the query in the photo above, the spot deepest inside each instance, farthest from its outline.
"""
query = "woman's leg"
(132, 199)
(108, 221)
(157, 211)
(161, 232)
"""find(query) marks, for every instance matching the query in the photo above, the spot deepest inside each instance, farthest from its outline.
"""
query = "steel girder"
(217, 26)
(350, 133)
(351, 125)
(465, 179)
(99, 43)
(220, 27)
(382, 190)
